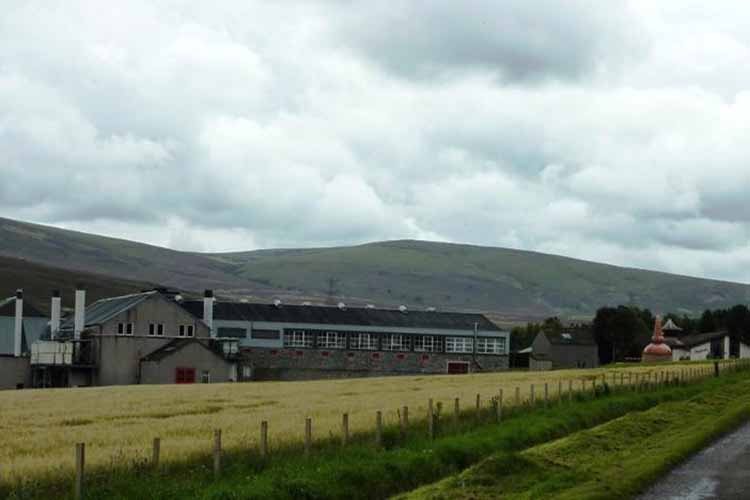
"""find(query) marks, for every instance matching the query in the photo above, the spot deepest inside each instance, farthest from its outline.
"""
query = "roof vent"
(277, 302)
(370, 306)
(244, 301)
(178, 298)
(431, 309)
(341, 306)
(402, 308)
(306, 303)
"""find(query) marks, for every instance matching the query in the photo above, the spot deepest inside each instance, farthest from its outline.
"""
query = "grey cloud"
(516, 40)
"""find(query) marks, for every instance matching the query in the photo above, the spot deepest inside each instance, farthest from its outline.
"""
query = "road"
(719, 472)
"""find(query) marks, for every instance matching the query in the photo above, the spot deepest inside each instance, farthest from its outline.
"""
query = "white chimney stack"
(19, 324)
(208, 311)
(54, 323)
(79, 316)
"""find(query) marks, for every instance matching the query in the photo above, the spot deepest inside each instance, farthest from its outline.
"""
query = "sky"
(613, 131)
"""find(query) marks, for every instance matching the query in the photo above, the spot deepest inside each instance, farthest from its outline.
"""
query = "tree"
(620, 332)
(707, 323)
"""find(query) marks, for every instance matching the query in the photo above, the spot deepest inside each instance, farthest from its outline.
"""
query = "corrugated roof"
(175, 346)
(701, 338)
(8, 308)
(103, 310)
(32, 331)
(244, 311)
(577, 337)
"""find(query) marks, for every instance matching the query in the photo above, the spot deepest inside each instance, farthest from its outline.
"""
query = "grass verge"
(362, 470)
(611, 461)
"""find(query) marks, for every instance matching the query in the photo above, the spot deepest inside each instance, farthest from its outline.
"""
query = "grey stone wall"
(191, 356)
(15, 372)
(305, 364)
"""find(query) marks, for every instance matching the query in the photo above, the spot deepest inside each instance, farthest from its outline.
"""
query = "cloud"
(612, 132)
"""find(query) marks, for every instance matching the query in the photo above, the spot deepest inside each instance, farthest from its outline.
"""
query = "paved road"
(720, 472)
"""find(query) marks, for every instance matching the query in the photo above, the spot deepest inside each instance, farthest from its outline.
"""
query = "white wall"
(701, 351)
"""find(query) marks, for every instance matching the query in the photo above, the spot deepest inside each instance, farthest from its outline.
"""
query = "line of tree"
(622, 332)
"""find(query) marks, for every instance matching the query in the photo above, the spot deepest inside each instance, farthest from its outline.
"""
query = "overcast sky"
(612, 131)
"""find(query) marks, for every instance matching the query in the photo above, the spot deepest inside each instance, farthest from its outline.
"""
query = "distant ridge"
(418, 274)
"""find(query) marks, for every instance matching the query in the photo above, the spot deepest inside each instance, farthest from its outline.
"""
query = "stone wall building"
(286, 342)
(576, 349)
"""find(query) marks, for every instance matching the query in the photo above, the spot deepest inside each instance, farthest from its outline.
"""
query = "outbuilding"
(573, 349)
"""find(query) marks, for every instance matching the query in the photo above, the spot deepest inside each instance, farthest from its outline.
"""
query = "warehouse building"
(21, 324)
(143, 338)
(573, 349)
(291, 342)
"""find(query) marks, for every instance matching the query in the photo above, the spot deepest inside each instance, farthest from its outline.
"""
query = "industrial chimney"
(18, 332)
(54, 323)
(79, 316)
(208, 311)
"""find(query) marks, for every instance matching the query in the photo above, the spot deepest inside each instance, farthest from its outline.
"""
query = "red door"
(184, 376)
(458, 367)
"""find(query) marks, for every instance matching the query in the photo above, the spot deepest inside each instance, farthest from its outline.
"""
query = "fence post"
(716, 368)
(570, 390)
(379, 428)
(217, 452)
(264, 440)
(479, 406)
(559, 391)
(308, 435)
(500, 406)
(344, 429)
(532, 397)
(80, 464)
(430, 420)
(404, 420)
(518, 397)
(546, 394)
(155, 450)
(456, 409)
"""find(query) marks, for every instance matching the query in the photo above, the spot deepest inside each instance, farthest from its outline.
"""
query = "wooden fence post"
(308, 435)
(217, 452)
(518, 397)
(546, 394)
(80, 464)
(345, 429)
(456, 409)
(379, 428)
(500, 406)
(479, 405)
(532, 397)
(430, 420)
(264, 440)
(559, 391)
(155, 451)
(570, 390)
(404, 421)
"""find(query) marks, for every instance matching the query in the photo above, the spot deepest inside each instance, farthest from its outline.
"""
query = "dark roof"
(577, 337)
(8, 308)
(105, 309)
(244, 311)
(173, 347)
(702, 338)
(673, 342)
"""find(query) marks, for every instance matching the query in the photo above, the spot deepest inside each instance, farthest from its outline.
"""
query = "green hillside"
(415, 273)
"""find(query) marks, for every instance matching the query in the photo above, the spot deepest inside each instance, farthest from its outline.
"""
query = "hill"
(416, 273)
(38, 280)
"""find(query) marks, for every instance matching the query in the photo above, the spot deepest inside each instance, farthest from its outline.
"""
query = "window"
(236, 333)
(459, 344)
(125, 328)
(428, 343)
(265, 334)
(298, 338)
(246, 372)
(186, 331)
(184, 375)
(491, 345)
(395, 342)
(332, 340)
(205, 377)
(363, 341)
(156, 329)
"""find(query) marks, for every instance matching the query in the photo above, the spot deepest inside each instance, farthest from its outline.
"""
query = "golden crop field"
(39, 428)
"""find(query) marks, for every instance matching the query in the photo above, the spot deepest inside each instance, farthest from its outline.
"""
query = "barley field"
(39, 428)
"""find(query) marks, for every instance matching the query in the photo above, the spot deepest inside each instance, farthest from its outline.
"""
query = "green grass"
(611, 461)
(361, 470)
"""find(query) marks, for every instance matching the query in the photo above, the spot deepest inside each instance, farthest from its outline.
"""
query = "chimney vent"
(208, 311)
(18, 330)
(79, 315)
(54, 323)
(402, 308)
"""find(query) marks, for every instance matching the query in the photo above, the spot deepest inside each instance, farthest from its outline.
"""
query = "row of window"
(393, 342)
(155, 330)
